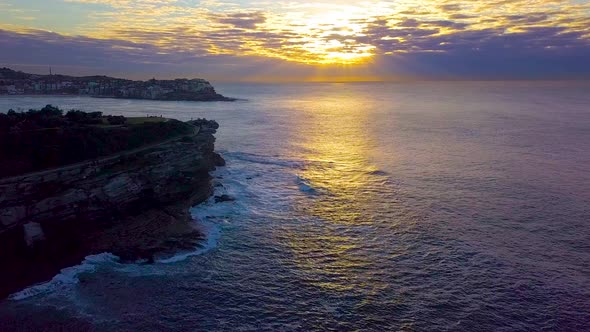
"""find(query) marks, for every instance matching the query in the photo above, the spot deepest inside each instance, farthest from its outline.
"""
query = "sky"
(323, 40)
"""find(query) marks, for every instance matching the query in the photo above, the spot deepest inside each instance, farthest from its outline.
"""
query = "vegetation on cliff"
(40, 139)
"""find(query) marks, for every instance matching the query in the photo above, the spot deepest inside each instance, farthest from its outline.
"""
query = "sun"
(325, 52)
(326, 38)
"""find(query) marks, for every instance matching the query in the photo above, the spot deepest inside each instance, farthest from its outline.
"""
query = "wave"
(266, 160)
(210, 215)
(305, 186)
(67, 277)
(212, 234)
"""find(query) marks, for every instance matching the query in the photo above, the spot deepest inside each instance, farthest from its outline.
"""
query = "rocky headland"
(19, 83)
(134, 204)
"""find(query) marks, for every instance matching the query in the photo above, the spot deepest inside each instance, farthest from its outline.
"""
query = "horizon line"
(344, 79)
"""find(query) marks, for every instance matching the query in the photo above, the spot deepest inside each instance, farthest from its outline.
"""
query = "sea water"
(425, 206)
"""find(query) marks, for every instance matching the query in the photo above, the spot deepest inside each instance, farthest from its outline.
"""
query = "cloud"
(421, 35)
(241, 20)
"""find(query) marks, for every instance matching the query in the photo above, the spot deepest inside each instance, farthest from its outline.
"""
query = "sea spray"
(67, 278)
(210, 215)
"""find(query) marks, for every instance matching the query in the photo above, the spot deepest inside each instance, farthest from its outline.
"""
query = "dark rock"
(224, 198)
(204, 123)
(218, 160)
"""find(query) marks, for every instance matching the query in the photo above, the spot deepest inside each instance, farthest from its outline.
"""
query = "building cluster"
(156, 89)
(18, 83)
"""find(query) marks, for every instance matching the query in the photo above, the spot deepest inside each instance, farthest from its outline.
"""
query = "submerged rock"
(224, 198)
(218, 160)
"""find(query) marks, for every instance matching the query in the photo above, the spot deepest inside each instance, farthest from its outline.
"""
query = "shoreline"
(135, 240)
(135, 208)
(223, 98)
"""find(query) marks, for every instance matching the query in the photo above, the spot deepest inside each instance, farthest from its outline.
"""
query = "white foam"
(210, 215)
(305, 186)
(212, 233)
(66, 278)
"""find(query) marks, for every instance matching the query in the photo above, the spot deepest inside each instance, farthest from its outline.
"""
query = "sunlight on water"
(335, 140)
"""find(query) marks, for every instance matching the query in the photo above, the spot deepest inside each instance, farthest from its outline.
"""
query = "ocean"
(427, 206)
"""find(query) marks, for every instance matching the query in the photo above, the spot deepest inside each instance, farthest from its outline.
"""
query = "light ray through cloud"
(332, 34)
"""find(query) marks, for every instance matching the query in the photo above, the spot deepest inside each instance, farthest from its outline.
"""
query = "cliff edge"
(135, 205)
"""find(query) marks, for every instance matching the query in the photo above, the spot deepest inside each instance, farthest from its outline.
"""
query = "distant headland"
(19, 83)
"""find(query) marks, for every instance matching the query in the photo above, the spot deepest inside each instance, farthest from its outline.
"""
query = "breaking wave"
(67, 277)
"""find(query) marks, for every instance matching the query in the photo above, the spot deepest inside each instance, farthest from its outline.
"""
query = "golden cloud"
(335, 32)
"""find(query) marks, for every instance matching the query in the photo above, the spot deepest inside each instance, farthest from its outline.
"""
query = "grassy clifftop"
(47, 138)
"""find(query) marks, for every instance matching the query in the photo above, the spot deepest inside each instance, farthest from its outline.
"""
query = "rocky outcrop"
(133, 205)
(19, 83)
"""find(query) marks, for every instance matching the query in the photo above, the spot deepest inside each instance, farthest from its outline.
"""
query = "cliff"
(133, 204)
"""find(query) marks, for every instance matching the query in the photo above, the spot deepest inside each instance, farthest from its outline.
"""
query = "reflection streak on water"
(329, 245)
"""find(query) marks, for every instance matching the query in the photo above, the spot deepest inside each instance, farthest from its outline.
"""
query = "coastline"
(141, 208)
(196, 99)
(179, 89)
(220, 98)
(134, 239)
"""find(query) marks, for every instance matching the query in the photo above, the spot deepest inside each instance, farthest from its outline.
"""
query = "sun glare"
(330, 39)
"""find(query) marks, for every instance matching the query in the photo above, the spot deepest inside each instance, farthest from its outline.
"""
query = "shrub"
(116, 120)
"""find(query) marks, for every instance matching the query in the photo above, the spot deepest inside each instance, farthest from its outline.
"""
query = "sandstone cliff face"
(62, 215)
